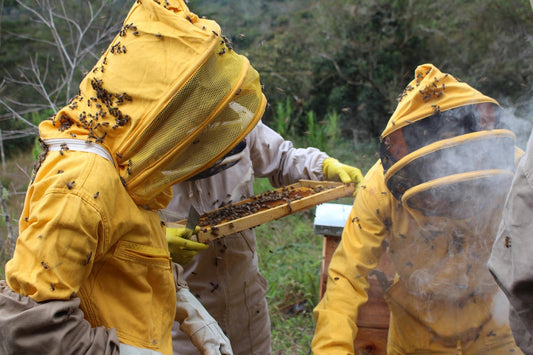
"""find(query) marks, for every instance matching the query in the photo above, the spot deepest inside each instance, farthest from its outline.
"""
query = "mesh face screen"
(461, 199)
(486, 154)
(215, 110)
(230, 121)
(443, 125)
(192, 107)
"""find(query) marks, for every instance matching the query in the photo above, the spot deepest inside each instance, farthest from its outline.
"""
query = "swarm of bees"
(433, 90)
(267, 200)
(40, 160)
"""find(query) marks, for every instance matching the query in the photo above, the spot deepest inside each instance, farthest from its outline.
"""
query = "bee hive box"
(268, 206)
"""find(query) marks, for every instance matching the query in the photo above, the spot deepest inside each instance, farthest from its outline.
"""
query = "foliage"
(356, 56)
(352, 57)
(45, 51)
(282, 118)
(289, 258)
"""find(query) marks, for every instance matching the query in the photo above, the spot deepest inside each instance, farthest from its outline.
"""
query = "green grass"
(289, 258)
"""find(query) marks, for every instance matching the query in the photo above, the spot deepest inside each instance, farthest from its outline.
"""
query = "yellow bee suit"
(443, 296)
(376, 219)
(166, 100)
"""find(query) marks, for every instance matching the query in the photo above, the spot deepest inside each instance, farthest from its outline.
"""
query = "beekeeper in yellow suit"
(91, 272)
(433, 203)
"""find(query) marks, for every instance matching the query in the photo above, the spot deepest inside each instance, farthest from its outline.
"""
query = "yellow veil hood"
(445, 147)
(429, 92)
(167, 99)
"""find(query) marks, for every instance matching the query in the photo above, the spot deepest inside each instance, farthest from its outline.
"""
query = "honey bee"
(70, 184)
(96, 194)
(88, 258)
(215, 286)
(507, 242)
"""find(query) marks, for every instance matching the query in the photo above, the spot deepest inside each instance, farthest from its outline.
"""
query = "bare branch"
(10, 109)
(39, 81)
(74, 40)
(24, 171)
(25, 36)
(337, 67)
(11, 230)
(14, 112)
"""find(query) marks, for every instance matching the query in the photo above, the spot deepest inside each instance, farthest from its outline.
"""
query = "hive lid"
(330, 218)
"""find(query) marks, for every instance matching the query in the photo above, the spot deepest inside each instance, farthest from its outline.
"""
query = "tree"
(65, 38)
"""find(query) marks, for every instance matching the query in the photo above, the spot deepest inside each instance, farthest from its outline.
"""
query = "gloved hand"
(200, 327)
(335, 170)
(181, 248)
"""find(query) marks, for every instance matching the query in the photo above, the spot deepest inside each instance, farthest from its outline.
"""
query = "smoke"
(500, 308)
(452, 248)
(520, 126)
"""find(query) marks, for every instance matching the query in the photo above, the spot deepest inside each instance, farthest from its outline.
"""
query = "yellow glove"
(181, 248)
(335, 170)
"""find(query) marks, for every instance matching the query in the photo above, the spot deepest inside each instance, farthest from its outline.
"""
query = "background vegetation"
(331, 70)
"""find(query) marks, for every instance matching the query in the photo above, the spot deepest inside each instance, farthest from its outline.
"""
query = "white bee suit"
(225, 278)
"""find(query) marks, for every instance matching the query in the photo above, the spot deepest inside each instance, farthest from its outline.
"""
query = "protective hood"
(445, 146)
(167, 100)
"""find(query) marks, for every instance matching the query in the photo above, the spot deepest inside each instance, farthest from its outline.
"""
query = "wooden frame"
(320, 192)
